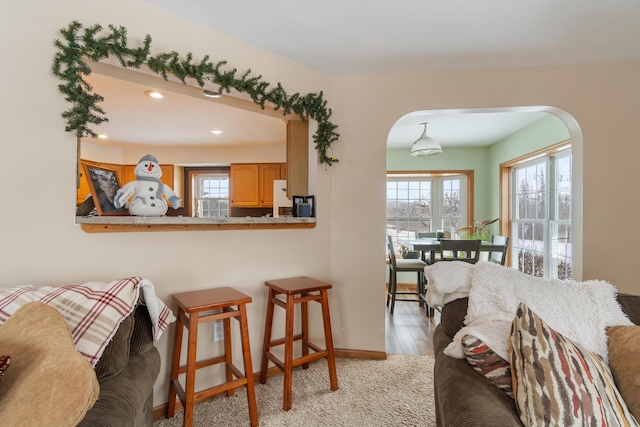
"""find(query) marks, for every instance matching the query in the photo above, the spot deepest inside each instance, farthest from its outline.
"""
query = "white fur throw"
(447, 281)
(578, 310)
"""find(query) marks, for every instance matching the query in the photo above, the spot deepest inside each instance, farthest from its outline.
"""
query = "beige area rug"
(385, 393)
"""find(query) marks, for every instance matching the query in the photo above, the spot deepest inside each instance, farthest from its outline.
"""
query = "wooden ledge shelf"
(115, 224)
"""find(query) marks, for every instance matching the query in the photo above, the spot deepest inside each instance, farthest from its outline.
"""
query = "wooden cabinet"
(268, 173)
(297, 167)
(251, 184)
(243, 184)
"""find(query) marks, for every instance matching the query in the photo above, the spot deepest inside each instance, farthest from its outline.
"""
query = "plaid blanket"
(93, 310)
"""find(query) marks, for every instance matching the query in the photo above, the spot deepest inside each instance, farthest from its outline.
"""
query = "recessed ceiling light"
(154, 94)
(216, 131)
(211, 94)
(102, 136)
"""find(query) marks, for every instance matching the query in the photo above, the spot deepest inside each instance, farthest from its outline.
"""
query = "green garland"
(70, 66)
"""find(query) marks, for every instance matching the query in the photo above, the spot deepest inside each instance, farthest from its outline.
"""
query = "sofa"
(126, 373)
(62, 372)
(464, 397)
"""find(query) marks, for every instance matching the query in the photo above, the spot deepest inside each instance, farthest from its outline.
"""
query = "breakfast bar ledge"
(110, 224)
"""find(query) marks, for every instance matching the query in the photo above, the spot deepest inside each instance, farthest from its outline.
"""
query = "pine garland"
(69, 65)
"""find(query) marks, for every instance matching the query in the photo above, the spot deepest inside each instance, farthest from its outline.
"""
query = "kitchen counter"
(107, 224)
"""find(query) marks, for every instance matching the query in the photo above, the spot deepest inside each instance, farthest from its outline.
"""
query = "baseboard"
(161, 410)
(360, 354)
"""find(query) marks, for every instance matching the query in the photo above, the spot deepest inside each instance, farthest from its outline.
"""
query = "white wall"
(41, 244)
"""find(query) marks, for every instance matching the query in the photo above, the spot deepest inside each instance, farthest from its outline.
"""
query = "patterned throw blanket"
(94, 310)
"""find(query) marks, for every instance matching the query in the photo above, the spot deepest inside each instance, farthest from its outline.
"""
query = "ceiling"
(341, 37)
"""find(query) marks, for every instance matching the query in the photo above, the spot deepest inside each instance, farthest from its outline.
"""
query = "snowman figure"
(147, 195)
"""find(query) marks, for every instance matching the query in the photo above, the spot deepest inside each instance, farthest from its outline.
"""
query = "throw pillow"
(624, 347)
(487, 363)
(5, 361)
(558, 382)
(50, 383)
(578, 310)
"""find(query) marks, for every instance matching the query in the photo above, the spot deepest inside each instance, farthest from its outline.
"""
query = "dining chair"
(400, 266)
(428, 235)
(467, 250)
(499, 256)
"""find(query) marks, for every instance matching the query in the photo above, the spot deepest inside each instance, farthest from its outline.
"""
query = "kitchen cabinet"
(251, 184)
(243, 184)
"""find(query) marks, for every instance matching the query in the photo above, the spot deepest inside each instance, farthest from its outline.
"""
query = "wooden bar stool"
(191, 308)
(297, 290)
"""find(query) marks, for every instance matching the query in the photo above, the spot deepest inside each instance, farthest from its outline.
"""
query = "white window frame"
(437, 198)
(195, 176)
(555, 252)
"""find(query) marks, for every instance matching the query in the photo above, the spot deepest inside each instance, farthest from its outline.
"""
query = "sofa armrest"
(465, 398)
(631, 306)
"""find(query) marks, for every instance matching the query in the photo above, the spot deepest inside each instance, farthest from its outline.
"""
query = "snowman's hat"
(148, 158)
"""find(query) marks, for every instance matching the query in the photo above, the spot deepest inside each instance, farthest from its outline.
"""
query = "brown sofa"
(464, 397)
(126, 373)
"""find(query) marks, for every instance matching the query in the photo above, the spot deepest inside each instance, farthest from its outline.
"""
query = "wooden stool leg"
(328, 338)
(190, 383)
(227, 351)
(175, 364)
(266, 345)
(305, 332)
(248, 370)
(288, 352)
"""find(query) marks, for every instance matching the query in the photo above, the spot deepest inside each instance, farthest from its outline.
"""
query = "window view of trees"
(424, 203)
(211, 195)
(542, 217)
(451, 214)
(409, 207)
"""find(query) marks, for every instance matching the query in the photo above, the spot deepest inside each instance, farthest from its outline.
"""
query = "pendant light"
(425, 146)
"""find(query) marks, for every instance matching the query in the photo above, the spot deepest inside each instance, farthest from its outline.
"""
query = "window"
(209, 190)
(541, 213)
(419, 202)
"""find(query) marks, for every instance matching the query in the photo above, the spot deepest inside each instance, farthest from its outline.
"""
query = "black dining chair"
(467, 250)
(499, 256)
(428, 235)
(399, 266)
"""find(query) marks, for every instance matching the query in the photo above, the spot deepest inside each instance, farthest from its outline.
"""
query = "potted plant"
(477, 230)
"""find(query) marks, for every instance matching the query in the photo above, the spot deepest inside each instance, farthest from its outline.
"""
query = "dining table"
(432, 246)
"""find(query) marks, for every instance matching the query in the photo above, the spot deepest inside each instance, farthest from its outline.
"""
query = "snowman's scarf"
(152, 179)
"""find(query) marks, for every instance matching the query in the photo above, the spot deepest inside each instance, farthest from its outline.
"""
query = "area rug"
(397, 391)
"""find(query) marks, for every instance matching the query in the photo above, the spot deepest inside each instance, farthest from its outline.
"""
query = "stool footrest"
(314, 347)
(201, 395)
(310, 358)
(322, 354)
(275, 360)
(275, 343)
(203, 364)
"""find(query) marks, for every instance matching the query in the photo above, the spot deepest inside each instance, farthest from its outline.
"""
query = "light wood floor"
(409, 330)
